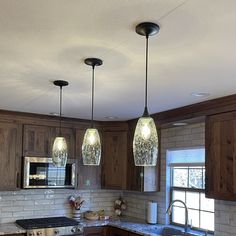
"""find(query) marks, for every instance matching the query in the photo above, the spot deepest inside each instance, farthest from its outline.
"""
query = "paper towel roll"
(152, 212)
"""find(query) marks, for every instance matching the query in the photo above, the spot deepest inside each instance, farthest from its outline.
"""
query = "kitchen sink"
(166, 231)
(163, 231)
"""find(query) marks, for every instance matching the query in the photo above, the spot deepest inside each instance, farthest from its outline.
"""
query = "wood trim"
(210, 107)
(40, 119)
(197, 110)
(194, 112)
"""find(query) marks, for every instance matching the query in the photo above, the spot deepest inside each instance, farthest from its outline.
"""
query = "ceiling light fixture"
(200, 94)
(91, 148)
(180, 124)
(111, 117)
(145, 143)
(59, 149)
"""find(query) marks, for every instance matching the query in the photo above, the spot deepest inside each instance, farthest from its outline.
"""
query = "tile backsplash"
(45, 203)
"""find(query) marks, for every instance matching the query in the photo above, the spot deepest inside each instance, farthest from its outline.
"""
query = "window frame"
(188, 189)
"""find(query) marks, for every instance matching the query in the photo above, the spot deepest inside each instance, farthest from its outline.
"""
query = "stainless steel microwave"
(41, 173)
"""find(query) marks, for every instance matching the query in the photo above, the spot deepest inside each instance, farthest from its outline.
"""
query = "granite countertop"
(10, 228)
(138, 226)
(130, 224)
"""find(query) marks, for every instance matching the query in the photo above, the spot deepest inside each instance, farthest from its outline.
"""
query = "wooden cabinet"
(113, 231)
(143, 179)
(36, 140)
(95, 231)
(15, 234)
(221, 156)
(133, 234)
(114, 159)
(107, 231)
(10, 155)
(89, 177)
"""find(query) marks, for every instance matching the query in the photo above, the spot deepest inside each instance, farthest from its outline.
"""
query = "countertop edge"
(11, 228)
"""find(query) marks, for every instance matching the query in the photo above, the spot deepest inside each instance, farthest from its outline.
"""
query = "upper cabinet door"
(69, 135)
(10, 155)
(89, 177)
(114, 159)
(36, 140)
(221, 156)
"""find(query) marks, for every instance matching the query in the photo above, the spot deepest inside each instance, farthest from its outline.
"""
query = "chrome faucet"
(169, 211)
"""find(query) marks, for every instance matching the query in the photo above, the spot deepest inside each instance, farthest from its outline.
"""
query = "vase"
(77, 214)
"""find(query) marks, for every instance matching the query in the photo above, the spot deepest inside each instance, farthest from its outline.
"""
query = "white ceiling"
(42, 41)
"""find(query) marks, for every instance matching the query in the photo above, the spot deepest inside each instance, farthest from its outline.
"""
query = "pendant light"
(91, 148)
(145, 143)
(59, 149)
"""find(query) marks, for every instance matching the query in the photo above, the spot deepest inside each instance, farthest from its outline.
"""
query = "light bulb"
(145, 131)
(91, 148)
(92, 138)
(59, 145)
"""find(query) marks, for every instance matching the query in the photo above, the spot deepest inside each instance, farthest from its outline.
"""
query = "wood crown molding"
(193, 113)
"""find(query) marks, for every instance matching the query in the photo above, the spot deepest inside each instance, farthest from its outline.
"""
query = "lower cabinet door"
(117, 232)
(107, 231)
(94, 231)
(133, 234)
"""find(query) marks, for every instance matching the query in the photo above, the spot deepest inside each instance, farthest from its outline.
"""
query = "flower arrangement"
(119, 206)
(75, 202)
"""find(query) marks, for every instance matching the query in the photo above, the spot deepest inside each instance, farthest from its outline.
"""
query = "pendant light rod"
(146, 29)
(60, 109)
(93, 62)
(60, 83)
(145, 113)
(92, 123)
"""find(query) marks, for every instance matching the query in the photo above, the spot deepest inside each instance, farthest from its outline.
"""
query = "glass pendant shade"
(59, 152)
(91, 148)
(145, 142)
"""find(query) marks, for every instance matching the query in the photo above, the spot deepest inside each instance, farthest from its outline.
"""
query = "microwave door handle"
(26, 172)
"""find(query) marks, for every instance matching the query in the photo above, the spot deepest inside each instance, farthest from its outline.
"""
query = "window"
(188, 185)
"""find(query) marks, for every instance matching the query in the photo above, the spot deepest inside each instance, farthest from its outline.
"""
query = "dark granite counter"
(130, 224)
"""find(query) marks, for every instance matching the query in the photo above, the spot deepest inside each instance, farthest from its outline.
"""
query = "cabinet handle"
(18, 180)
(77, 183)
(103, 180)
